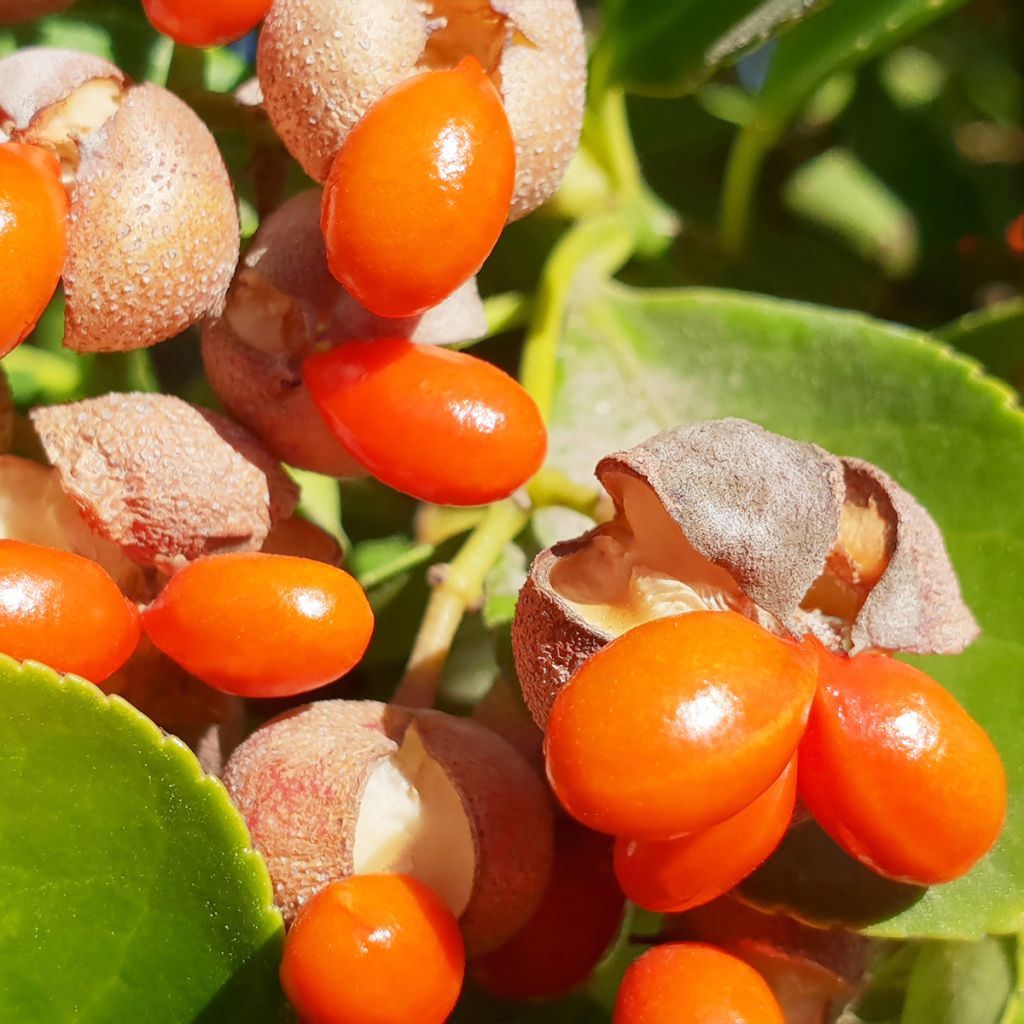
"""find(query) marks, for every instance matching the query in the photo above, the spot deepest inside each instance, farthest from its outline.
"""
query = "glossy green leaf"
(846, 33)
(961, 982)
(995, 337)
(668, 49)
(128, 887)
(633, 363)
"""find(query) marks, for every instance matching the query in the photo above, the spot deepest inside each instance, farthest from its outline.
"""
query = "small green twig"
(600, 245)
(460, 588)
(506, 312)
(551, 487)
(186, 71)
(748, 151)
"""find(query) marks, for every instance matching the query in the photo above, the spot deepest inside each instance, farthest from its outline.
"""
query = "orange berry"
(420, 190)
(33, 238)
(678, 724)
(442, 426)
(674, 875)
(698, 984)
(261, 625)
(210, 23)
(896, 771)
(64, 611)
(374, 949)
(578, 917)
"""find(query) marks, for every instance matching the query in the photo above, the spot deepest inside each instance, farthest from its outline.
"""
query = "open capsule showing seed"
(283, 305)
(344, 787)
(153, 229)
(724, 515)
(324, 63)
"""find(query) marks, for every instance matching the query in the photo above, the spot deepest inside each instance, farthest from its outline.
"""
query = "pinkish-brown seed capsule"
(153, 229)
(342, 787)
(165, 481)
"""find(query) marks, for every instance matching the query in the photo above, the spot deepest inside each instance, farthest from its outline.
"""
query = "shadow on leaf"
(812, 879)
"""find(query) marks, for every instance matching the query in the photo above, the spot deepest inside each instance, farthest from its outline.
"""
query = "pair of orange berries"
(383, 949)
(415, 201)
(691, 736)
(255, 625)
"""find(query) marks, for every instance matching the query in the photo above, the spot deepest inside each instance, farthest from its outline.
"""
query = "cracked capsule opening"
(641, 566)
(412, 820)
(464, 28)
(860, 555)
(61, 126)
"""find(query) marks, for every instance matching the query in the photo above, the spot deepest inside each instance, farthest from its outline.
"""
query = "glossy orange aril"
(674, 875)
(33, 238)
(374, 949)
(678, 724)
(578, 917)
(64, 611)
(896, 771)
(439, 425)
(696, 984)
(261, 625)
(205, 22)
(420, 190)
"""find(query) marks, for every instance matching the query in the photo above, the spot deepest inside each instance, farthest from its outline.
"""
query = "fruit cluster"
(425, 127)
(735, 642)
(717, 652)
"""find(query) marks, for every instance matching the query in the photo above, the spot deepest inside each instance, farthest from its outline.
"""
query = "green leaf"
(502, 586)
(668, 49)
(993, 336)
(375, 561)
(845, 34)
(633, 363)
(838, 193)
(320, 502)
(961, 982)
(128, 887)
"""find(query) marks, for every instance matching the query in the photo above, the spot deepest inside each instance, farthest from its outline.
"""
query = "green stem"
(749, 149)
(459, 590)
(187, 71)
(612, 135)
(551, 487)
(506, 312)
(602, 245)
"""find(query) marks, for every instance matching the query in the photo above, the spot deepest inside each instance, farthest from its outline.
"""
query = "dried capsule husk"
(300, 538)
(14, 12)
(324, 63)
(153, 228)
(284, 305)
(338, 787)
(165, 481)
(814, 972)
(724, 515)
